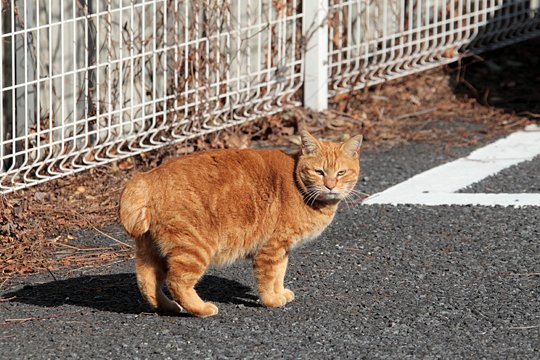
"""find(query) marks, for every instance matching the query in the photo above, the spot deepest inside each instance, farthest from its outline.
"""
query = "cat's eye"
(319, 172)
(341, 172)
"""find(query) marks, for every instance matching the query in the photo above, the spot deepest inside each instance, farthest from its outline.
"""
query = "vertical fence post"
(534, 5)
(26, 114)
(315, 32)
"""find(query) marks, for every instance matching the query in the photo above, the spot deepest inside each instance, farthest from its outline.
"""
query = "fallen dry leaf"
(126, 164)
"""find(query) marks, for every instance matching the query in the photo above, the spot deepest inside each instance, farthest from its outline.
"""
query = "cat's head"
(328, 171)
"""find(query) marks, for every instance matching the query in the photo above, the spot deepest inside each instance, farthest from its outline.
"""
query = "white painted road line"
(438, 185)
(516, 200)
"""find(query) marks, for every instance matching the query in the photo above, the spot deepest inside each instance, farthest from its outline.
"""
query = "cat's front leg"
(270, 266)
(279, 287)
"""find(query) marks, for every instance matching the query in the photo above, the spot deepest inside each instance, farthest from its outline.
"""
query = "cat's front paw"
(289, 295)
(274, 301)
(277, 300)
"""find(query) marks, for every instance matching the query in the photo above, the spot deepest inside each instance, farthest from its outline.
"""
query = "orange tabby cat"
(219, 206)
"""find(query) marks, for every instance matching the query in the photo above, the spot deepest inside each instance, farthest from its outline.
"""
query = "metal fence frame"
(87, 82)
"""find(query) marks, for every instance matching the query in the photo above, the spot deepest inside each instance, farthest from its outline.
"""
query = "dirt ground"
(480, 97)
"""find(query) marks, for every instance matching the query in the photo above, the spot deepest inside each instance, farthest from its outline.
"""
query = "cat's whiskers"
(347, 191)
(355, 197)
(359, 193)
(312, 194)
(306, 192)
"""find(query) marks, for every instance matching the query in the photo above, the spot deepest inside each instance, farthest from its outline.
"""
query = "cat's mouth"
(331, 195)
(325, 195)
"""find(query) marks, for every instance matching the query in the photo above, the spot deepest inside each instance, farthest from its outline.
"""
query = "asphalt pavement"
(381, 282)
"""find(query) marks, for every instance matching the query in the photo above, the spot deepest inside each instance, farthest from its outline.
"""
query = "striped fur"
(220, 206)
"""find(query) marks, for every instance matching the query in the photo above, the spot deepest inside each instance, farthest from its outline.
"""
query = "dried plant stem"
(110, 237)
(23, 320)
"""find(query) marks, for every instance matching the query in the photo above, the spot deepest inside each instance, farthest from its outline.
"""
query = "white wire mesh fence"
(375, 41)
(86, 82)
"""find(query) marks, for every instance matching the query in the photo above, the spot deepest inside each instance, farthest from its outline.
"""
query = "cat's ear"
(310, 145)
(352, 146)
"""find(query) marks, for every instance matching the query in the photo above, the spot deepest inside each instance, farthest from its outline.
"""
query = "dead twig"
(518, 274)
(110, 237)
(5, 281)
(528, 113)
(101, 232)
(77, 248)
(72, 257)
(415, 114)
(351, 249)
(93, 265)
(348, 116)
(23, 320)
(523, 327)
(50, 272)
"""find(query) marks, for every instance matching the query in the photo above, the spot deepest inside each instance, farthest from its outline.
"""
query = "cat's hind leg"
(187, 264)
(151, 270)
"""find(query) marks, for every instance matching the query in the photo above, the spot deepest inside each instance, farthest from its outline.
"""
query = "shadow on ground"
(119, 293)
(507, 78)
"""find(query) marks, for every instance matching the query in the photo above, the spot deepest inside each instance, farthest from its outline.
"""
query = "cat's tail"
(135, 212)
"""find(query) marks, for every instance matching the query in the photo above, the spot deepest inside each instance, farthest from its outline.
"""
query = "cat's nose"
(330, 183)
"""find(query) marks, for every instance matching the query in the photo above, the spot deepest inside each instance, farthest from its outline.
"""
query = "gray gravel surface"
(381, 282)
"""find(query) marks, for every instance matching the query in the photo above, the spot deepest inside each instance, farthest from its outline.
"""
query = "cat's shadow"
(119, 293)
